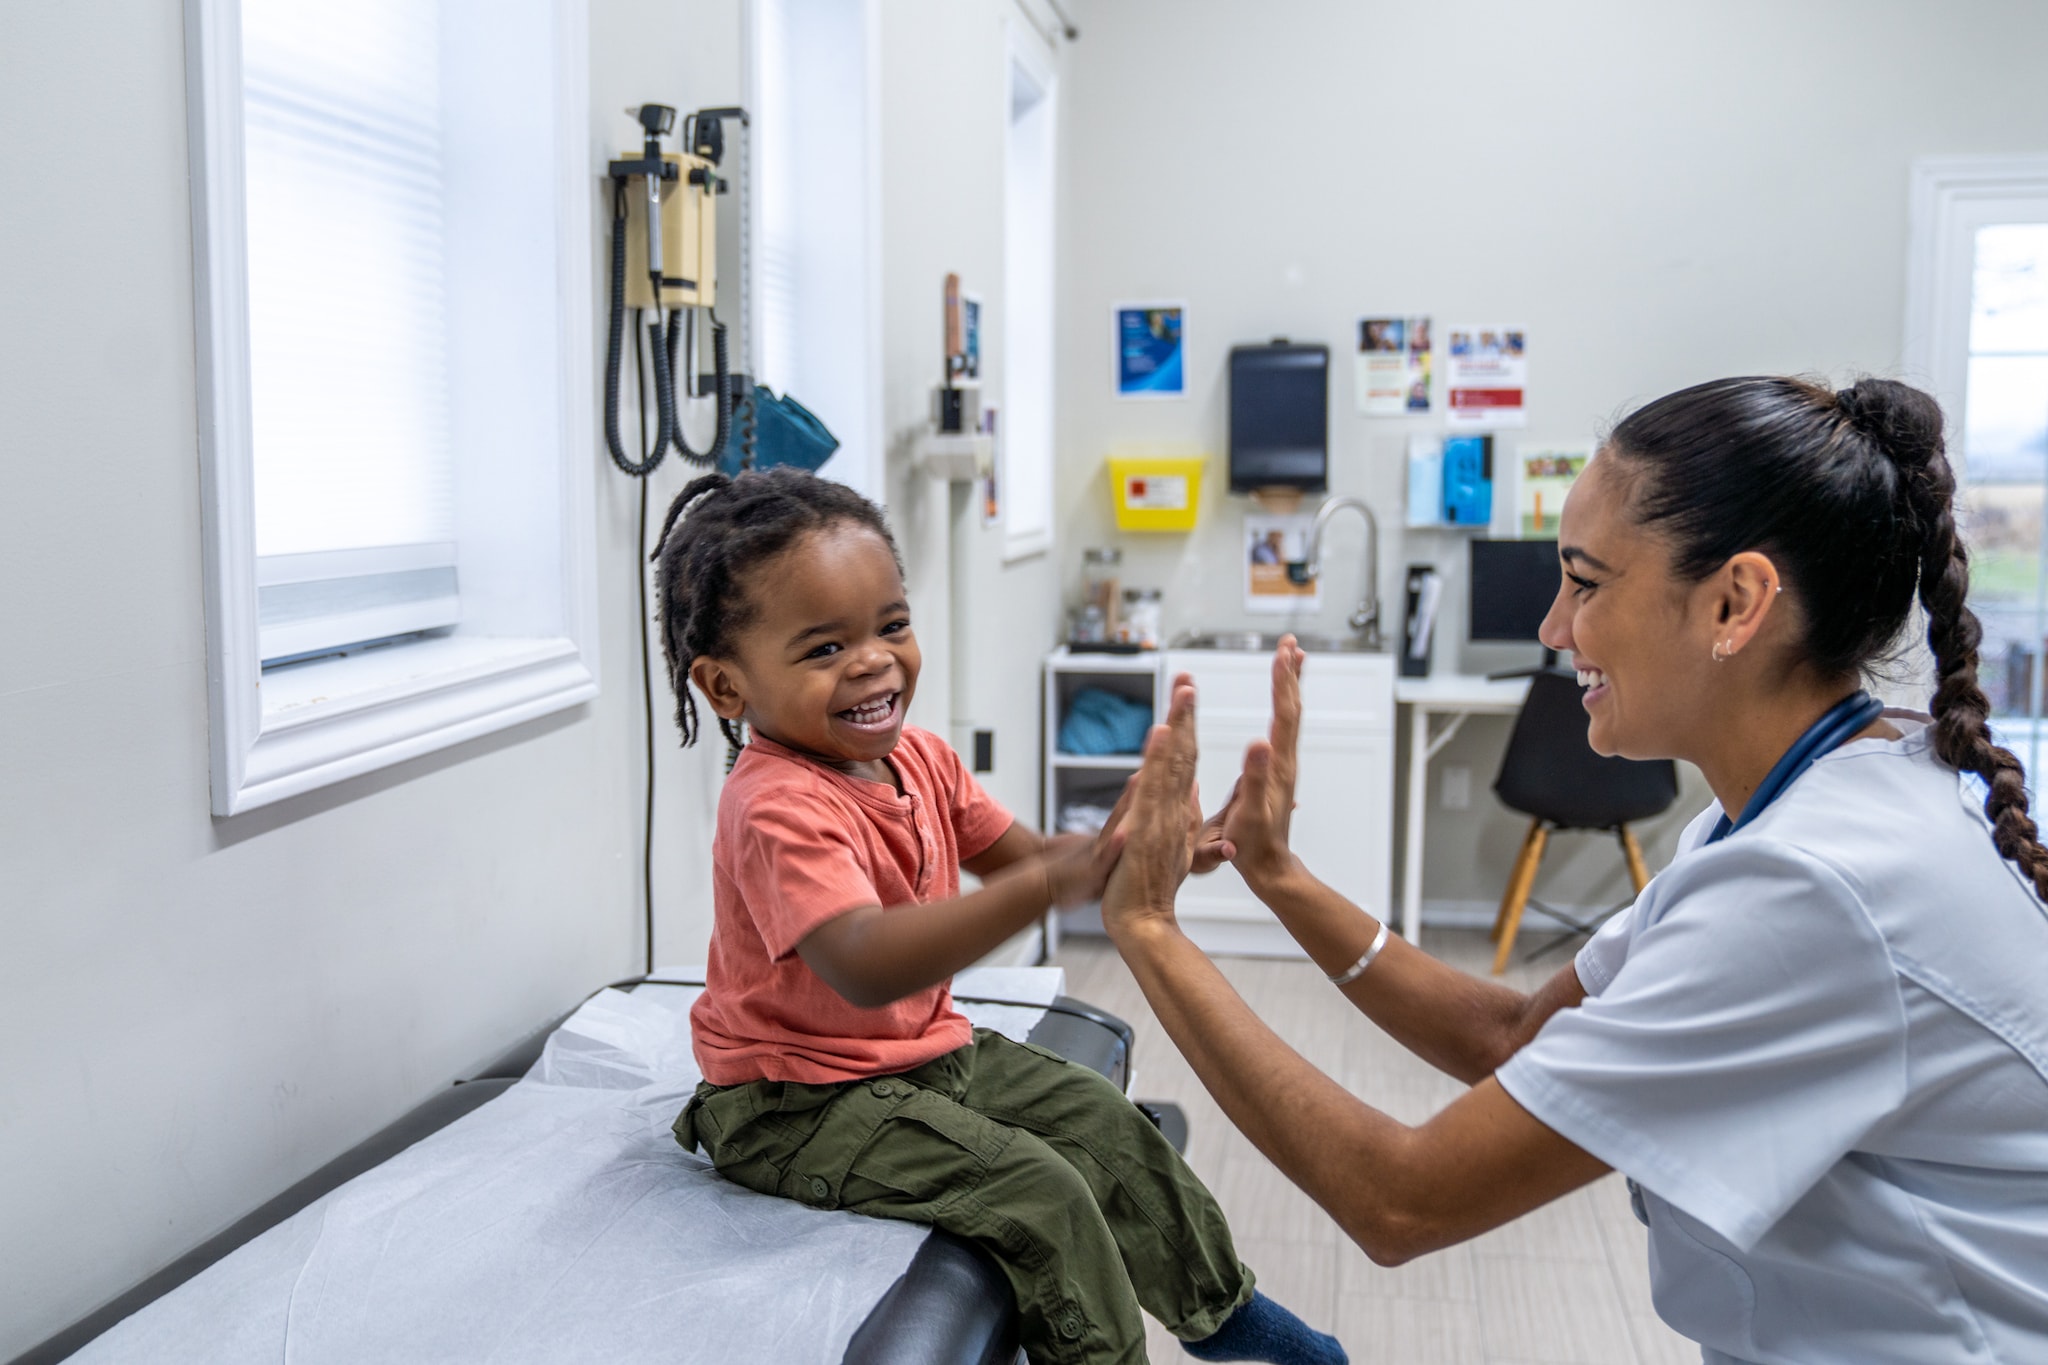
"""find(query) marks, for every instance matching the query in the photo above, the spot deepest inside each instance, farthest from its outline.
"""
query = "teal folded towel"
(1100, 722)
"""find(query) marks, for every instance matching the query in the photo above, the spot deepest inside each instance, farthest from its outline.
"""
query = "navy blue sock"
(1261, 1329)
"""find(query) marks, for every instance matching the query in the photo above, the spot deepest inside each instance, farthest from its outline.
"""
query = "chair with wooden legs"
(1551, 774)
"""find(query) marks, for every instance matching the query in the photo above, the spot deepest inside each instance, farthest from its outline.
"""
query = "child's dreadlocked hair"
(728, 526)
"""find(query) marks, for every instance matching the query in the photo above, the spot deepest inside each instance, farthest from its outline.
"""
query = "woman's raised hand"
(1158, 838)
(1256, 819)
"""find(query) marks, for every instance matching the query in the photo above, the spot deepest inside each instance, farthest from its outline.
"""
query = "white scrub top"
(1820, 1049)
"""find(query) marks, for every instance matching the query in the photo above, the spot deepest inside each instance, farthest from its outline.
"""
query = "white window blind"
(1029, 190)
(348, 333)
(814, 295)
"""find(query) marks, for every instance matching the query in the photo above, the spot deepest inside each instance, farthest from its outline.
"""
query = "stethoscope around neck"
(1843, 721)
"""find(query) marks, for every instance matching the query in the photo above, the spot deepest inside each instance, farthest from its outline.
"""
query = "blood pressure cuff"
(777, 431)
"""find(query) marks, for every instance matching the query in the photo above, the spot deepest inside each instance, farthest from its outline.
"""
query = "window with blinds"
(1030, 186)
(814, 298)
(348, 332)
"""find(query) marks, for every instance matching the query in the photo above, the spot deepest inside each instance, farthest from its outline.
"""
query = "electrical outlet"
(1457, 788)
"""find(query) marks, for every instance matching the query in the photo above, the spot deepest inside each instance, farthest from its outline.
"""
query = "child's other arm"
(874, 957)
(1018, 843)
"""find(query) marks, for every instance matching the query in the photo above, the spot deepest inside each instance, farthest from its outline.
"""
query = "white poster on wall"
(1274, 549)
(1486, 375)
(1393, 367)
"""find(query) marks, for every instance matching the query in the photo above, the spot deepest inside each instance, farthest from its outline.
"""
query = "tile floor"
(1567, 1285)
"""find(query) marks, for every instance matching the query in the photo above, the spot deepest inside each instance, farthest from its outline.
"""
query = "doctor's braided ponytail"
(1852, 497)
(1905, 425)
(718, 532)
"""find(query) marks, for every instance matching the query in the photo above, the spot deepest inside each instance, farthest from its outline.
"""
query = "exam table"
(948, 1306)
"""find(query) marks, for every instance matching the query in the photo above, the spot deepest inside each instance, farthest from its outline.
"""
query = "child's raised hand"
(1077, 866)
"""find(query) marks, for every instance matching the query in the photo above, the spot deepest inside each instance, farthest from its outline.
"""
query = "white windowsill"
(1025, 546)
(333, 719)
(278, 735)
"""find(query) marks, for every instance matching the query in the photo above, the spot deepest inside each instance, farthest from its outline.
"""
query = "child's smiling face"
(828, 664)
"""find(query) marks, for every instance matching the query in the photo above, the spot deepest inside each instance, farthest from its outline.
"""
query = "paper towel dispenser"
(1280, 417)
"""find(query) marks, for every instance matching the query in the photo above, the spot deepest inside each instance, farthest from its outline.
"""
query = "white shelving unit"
(1092, 778)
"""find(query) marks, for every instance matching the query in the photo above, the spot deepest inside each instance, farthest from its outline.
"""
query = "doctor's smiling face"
(1636, 634)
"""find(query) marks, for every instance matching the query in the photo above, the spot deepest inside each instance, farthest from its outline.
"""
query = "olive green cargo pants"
(1039, 1161)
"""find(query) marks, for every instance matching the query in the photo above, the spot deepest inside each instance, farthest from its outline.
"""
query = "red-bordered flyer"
(1486, 375)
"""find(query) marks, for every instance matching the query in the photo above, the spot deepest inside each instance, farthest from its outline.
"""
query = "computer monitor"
(1511, 585)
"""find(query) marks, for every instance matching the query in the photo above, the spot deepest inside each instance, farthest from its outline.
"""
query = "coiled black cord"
(721, 402)
(614, 340)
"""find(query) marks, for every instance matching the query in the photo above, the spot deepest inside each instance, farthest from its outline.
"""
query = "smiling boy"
(837, 1071)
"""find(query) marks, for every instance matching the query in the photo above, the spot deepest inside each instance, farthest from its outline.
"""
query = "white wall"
(984, 623)
(1661, 193)
(196, 1012)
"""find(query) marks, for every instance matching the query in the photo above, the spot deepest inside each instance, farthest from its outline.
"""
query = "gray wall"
(1661, 193)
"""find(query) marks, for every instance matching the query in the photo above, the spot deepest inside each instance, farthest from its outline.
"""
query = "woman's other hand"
(1260, 810)
(1158, 850)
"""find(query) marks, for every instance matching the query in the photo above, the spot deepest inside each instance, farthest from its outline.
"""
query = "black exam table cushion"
(952, 1305)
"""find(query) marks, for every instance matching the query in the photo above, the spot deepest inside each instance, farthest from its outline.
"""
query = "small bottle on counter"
(1144, 610)
(1101, 567)
(1088, 627)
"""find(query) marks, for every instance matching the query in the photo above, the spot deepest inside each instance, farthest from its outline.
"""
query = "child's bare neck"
(873, 769)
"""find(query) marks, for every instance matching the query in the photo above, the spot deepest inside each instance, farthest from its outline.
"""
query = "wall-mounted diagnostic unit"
(667, 277)
(1280, 417)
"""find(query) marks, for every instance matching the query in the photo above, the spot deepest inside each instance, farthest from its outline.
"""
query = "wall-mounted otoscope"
(665, 261)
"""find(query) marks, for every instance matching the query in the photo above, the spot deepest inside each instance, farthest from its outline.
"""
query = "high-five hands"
(1255, 820)
(1159, 823)
(1078, 866)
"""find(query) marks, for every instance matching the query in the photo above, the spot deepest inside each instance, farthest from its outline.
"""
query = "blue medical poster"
(1148, 350)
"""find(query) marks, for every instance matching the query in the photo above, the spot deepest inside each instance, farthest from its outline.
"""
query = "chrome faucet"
(1365, 620)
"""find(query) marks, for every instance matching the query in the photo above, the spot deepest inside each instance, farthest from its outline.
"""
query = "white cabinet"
(1088, 780)
(1343, 824)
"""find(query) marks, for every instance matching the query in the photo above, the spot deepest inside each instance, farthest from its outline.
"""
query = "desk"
(1456, 695)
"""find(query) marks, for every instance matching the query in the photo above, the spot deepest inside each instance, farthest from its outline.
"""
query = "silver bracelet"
(1379, 941)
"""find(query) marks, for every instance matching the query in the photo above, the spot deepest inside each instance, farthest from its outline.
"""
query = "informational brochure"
(1275, 550)
(1393, 367)
(1425, 505)
(1543, 475)
(970, 324)
(992, 486)
(1149, 339)
(1486, 375)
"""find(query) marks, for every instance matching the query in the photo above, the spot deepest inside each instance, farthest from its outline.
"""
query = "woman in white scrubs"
(1817, 1044)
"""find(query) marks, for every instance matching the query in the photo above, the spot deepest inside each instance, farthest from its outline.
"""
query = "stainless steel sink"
(1253, 642)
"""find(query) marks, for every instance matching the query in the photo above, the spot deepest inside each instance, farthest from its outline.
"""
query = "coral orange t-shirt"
(799, 843)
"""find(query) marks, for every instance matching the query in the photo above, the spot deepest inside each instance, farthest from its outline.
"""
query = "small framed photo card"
(1150, 340)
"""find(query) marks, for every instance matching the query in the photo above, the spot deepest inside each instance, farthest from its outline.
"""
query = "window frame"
(1041, 67)
(1946, 193)
(321, 722)
(1949, 199)
(862, 460)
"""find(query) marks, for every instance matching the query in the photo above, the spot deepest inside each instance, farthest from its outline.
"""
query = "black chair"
(1551, 774)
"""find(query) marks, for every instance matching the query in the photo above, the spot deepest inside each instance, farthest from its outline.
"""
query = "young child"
(837, 1071)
